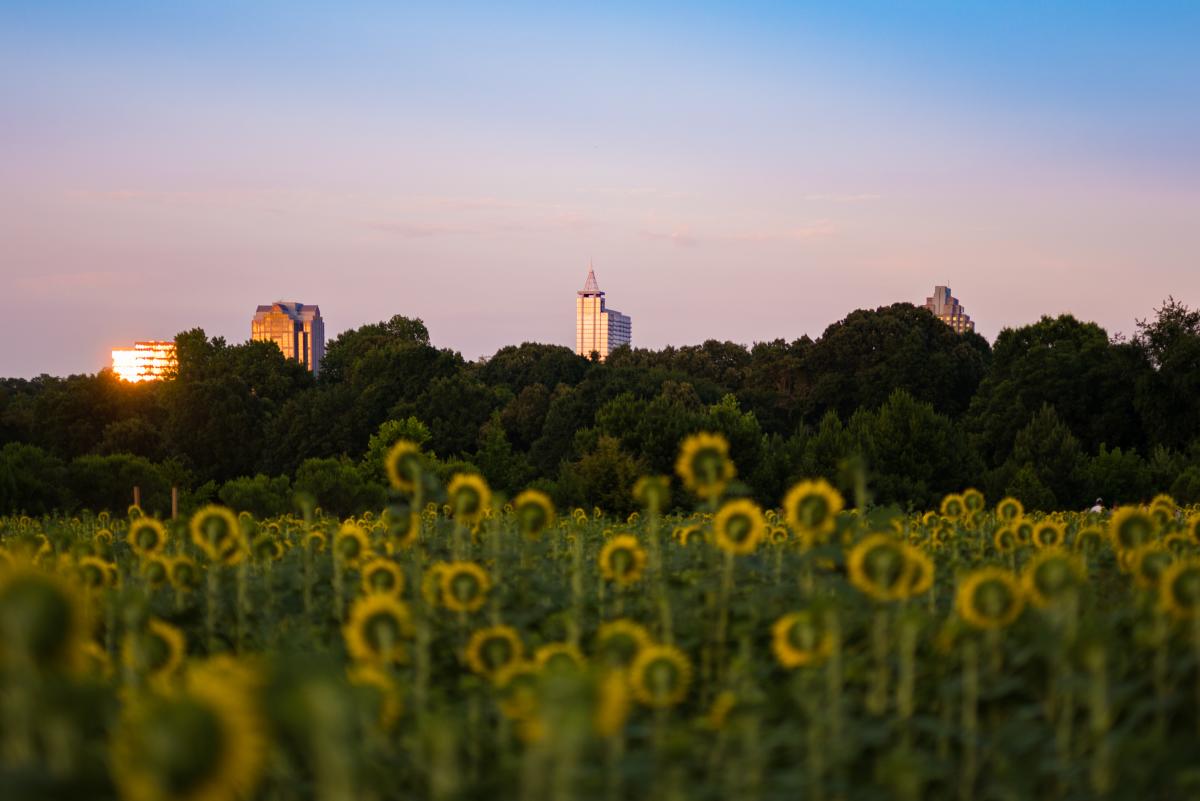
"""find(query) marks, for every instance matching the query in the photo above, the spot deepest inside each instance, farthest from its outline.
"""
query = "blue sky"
(739, 171)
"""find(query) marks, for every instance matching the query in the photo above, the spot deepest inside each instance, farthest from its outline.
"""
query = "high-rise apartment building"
(296, 328)
(947, 309)
(145, 361)
(598, 329)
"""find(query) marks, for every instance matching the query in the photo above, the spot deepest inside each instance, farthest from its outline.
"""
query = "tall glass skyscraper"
(598, 329)
(296, 328)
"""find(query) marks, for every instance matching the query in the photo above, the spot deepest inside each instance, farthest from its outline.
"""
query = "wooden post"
(174, 503)
(137, 496)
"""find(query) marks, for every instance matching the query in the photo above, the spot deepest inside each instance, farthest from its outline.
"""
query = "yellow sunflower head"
(1131, 528)
(155, 651)
(1004, 539)
(739, 526)
(104, 537)
(352, 546)
(973, 501)
(1009, 510)
(267, 548)
(801, 639)
(1024, 531)
(559, 656)
(1049, 534)
(315, 541)
(402, 525)
(492, 649)
(93, 573)
(205, 742)
(921, 571)
(1148, 563)
(156, 570)
(534, 512)
(1051, 574)
(622, 560)
(184, 573)
(618, 642)
(1088, 540)
(43, 620)
(811, 508)
(146, 536)
(404, 465)
(217, 532)
(1193, 529)
(953, 507)
(1179, 589)
(516, 686)
(382, 575)
(464, 586)
(653, 492)
(990, 598)
(880, 567)
(377, 629)
(660, 676)
(469, 497)
(704, 464)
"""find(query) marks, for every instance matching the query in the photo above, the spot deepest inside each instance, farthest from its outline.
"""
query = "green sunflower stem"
(877, 695)
(574, 631)
(834, 692)
(906, 678)
(1099, 721)
(213, 601)
(242, 603)
(816, 735)
(970, 720)
(723, 615)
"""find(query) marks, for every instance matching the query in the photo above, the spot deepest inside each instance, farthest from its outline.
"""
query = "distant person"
(1098, 507)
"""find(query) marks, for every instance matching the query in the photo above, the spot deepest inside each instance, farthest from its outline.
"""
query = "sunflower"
(704, 464)
(402, 525)
(207, 742)
(953, 507)
(1088, 539)
(1009, 510)
(660, 676)
(1050, 574)
(315, 541)
(778, 535)
(93, 573)
(267, 548)
(183, 573)
(156, 570)
(1179, 589)
(464, 586)
(1024, 531)
(739, 526)
(622, 560)
(104, 537)
(1163, 509)
(1147, 564)
(157, 650)
(1131, 528)
(800, 639)
(1193, 529)
(382, 687)
(382, 575)
(682, 534)
(534, 512)
(618, 642)
(376, 629)
(516, 687)
(1178, 543)
(43, 620)
(492, 649)
(404, 463)
(1005, 539)
(217, 532)
(558, 656)
(1049, 534)
(990, 598)
(351, 545)
(653, 492)
(146, 536)
(811, 508)
(469, 497)
(973, 501)
(880, 568)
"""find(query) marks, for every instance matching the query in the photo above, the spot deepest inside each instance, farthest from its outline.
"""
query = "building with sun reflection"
(598, 329)
(145, 361)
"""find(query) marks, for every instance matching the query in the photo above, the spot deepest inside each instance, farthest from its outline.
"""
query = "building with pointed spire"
(598, 329)
(946, 308)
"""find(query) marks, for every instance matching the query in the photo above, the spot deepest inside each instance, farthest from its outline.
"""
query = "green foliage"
(31, 480)
(338, 486)
(106, 482)
(261, 495)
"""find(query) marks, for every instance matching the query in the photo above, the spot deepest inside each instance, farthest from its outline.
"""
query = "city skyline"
(739, 172)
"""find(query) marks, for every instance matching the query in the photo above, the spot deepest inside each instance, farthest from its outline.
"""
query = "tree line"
(888, 402)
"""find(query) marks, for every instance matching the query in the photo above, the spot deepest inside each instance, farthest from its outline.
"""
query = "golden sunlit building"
(296, 328)
(946, 308)
(598, 329)
(145, 361)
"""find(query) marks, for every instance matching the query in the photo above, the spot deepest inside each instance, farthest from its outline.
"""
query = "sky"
(741, 171)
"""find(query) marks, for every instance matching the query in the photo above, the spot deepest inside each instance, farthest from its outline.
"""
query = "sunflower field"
(457, 645)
